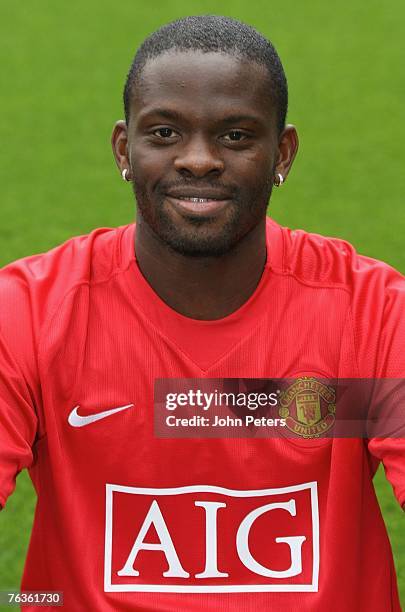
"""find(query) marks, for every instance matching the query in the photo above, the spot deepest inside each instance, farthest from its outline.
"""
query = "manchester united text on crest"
(308, 407)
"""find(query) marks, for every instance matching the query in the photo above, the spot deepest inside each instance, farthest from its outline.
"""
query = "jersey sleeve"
(391, 364)
(19, 388)
(381, 351)
(18, 422)
(31, 292)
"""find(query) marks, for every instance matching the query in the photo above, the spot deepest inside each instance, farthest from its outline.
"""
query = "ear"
(119, 143)
(287, 147)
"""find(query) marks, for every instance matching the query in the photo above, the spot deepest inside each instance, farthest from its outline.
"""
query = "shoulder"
(325, 261)
(375, 295)
(33, 286)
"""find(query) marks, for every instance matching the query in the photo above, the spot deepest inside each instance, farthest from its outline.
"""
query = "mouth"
(197, 206)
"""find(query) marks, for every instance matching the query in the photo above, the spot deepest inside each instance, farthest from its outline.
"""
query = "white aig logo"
(210, 539)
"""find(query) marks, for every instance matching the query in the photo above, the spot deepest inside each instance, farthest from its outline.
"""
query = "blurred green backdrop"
(62, 73)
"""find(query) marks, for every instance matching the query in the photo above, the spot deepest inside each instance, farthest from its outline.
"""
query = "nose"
(199, 158)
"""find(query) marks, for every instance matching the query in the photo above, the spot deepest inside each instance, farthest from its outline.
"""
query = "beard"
(197, 236)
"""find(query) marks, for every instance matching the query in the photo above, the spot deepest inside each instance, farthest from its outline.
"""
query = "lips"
(197, 206)
(198, 202)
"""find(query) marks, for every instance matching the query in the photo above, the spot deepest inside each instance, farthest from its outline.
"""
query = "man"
(203, 288)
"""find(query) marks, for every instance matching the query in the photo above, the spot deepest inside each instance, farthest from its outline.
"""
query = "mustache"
(163, 188)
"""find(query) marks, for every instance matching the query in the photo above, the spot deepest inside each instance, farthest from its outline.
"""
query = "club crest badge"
(308, 407)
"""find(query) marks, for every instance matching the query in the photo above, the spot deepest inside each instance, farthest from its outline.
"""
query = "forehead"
(203, 84)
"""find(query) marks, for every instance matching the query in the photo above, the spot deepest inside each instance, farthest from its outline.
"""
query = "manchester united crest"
(308, 407)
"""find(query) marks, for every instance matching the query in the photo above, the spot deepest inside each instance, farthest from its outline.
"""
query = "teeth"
(196, 200)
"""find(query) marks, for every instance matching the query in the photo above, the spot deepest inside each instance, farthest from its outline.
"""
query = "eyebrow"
(176, 116)
(229, 119)
(163, 112)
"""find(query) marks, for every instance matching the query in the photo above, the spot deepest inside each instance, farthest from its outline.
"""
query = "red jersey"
(129, 521)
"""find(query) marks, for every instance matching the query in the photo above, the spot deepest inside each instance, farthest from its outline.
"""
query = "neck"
(206, 287)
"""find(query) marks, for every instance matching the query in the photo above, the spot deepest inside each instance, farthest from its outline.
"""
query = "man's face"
(202, 147)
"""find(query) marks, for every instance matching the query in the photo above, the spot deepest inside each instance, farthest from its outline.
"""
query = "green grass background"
(62, 72)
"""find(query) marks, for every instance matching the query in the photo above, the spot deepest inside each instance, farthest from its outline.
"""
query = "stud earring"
(278, 180)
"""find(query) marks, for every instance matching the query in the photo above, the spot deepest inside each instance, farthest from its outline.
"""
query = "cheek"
(253, 169)
(149, 166)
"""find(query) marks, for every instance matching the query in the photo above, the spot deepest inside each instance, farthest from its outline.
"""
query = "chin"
(200, 246)
(197, 236)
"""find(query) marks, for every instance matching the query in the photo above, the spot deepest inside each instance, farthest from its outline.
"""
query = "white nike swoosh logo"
(76, 420)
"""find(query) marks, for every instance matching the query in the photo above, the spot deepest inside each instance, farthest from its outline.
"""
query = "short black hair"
(212, 33)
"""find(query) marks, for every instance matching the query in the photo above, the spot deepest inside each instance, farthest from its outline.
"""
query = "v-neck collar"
(203, 342)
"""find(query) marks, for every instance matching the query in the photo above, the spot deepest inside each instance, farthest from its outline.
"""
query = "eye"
(165, 133)
(235, 136)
